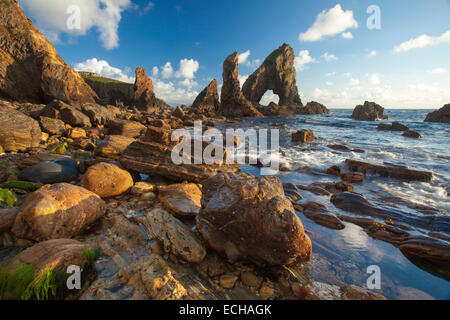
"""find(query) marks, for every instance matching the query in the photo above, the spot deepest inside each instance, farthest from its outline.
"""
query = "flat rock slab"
(181, 199)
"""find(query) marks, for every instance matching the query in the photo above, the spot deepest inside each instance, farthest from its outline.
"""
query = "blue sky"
(340, 62)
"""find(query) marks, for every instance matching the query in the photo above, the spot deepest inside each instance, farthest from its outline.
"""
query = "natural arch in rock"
(278, 74)
(268, 98)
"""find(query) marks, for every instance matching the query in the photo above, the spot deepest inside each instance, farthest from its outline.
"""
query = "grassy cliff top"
(103, 80)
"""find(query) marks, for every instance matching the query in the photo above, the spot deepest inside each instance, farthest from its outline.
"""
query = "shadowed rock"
(232, 101)
(207, 102)
(441, 115)
(30, 68)
(370, 111)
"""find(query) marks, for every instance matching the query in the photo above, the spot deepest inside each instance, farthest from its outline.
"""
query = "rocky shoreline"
(94, 185)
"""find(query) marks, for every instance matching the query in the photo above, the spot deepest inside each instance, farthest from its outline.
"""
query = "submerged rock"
(442, 115)
(370, 111)
(52, 171)
(251, 219)
(412, 134)
(57, 211)
(303, 136)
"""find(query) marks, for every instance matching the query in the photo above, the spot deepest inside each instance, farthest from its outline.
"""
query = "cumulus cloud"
(242, 79)
(329, 56)
(269, 97)
(438, 71)
(188, 83)
(103, 15)
(374, 79)
(167, 70)
(330, 23)
(188, 68)
(103, 68)
(244, 59)
(173, 95)
(354, 82)
(302, 60)
(372, 53)
(422, 42)
(244, 56)
(347, 35)
(155, 72)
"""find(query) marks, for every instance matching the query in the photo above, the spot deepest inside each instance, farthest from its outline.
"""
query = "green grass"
(103, 80)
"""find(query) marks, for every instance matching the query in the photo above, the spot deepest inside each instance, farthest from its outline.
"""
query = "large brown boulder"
(250, 218)
(98, 114)
(18, 132)
(127, 128)
(207, 102)
(370, 111)
(107, 180)
(155, 158)
(112, 146)
(57, 211)
(232, 101)
(182, 199)
(278, 74)
(52, 126)
(30, 68)
(144, 97)
(72, 115)
(441, 115)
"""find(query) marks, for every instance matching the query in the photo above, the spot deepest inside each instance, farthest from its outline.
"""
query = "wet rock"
(277, 73)
(107, 180)
(324, 218)
(232, 102)
(57, 211)
(67, 113)
(155, 159)
(352, 292)
(314, 290)
(313, 108)
(181, 199)
(7, 217)
(334, 171)
(432, 250)
(52, 126)
(127, 128)
(408, 293)
(412, 134)
(142, 187)
(353, 177)
(251, 219)
(174, 236)
(30, 67)
(18, 132)
(303, 136)
(56, 255)
(207, 102)
(291, 192)
(370, 111)
(442, 115)
(339, 147)
(315, 189)
(112, 146)
(391, 172)
(53, 171)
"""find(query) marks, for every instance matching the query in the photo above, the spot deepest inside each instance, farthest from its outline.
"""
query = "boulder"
(67, 113)
(412, 134)
(159, 135)
(112, 146)
(249, 218)
(76, 133)
(175, 236)
(153, 158)
(30, 68)
(334, 171)
(52, 171)
(232, 102)
(107, 180)
(400, 173)
(178, 113)
(57, 211)
(278, 74)
(127, 128)
(356, 177)
(7, 217)
(181, 199)
(52, 126)
(144, 97)
(370, 111)
(98, 114)
(18, 132)
(396, 126)
(303, 136)
(324, 218)
(313, 108)
(442, 115)
(207, 102)
(56, 255)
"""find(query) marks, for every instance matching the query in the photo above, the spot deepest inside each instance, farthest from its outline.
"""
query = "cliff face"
(109, 91)
(30, 68)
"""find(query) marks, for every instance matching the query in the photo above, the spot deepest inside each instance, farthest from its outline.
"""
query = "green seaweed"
(8, 197)
(90, 255)
(23, 185)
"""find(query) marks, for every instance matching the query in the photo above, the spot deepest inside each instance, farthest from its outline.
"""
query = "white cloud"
(269, 97)
(188, 68)
(330, 23)
(329, 56)
(242, 79)
(372, 53)
(155, 72)
(303, 59)
(347, 35)
(104, 15)
(422, 42)
(173, 95)
(374, 79)
(188, 83)
(330, 74)
(438, 71)
(167, 70)
(329, 83)
(348, 74)
(354, 82)
(244, 56)
(149, 7)
(103, 68)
